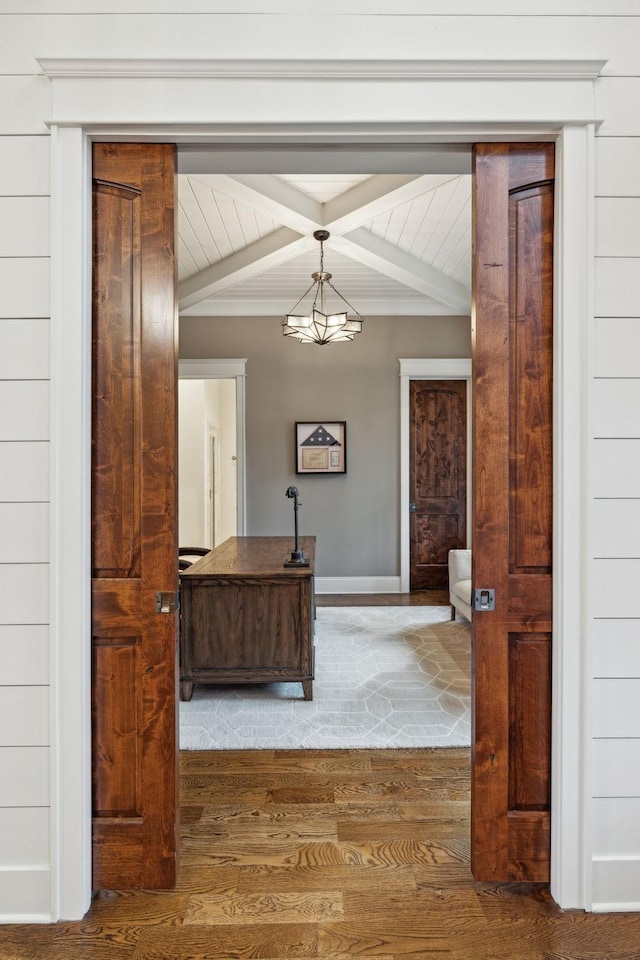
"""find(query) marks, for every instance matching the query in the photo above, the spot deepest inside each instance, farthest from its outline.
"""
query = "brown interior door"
(134, 511)
(437, 478)
(512, 490)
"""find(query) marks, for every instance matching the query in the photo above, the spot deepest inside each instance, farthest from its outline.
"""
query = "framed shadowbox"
(321, 446)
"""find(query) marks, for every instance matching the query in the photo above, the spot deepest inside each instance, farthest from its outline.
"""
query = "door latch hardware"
(167, 602)
(412, 508)
(484, 600)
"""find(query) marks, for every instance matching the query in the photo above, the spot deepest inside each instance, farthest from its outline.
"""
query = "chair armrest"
(459, 565)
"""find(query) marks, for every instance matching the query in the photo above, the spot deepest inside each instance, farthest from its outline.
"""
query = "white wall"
(359, 384)
(220, 411)
(462, 29)
(616, 504)
(203, 404)
(191, 466)
(24, 523)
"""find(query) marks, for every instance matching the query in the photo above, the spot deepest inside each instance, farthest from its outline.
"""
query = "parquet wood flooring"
(328, 854)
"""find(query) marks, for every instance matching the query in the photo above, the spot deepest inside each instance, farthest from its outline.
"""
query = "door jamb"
(425, 369)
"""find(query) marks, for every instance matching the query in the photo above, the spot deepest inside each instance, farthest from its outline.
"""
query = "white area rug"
(384, 677)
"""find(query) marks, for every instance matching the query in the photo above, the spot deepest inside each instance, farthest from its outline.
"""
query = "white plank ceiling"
(400, 244)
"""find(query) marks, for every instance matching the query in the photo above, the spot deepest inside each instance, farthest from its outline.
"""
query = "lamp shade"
(312, 320)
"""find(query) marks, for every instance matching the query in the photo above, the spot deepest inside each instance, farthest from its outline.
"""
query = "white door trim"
(235, 369)
(111, 111)
(434, 369)
(211, 531)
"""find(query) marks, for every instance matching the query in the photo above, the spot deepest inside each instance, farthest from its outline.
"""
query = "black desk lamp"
(297, 557)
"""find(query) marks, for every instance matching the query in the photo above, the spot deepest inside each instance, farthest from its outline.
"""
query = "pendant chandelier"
(325, 320)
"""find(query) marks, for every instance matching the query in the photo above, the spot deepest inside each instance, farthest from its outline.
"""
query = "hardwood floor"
(339, 854)
(328, 854)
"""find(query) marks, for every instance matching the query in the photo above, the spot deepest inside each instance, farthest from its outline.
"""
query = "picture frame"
(321, 447)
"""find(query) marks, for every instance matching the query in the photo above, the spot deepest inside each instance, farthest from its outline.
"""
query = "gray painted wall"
(354, 517)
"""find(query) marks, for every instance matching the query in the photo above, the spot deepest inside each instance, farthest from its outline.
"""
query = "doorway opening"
(71, 270)
(513, 506)
(522, 349)
(400, 224)
(400, 232)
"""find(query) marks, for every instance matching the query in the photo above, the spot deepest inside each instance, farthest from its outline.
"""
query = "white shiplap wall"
(616, 505)
(607, 29)
(24, 518)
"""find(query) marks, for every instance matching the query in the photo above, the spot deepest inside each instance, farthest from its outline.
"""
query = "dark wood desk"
(245, 617)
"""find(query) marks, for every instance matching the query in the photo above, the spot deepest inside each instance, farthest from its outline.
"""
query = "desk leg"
(307, 689)
(186, 689)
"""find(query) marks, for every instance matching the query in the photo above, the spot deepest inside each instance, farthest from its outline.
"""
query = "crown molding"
(357, 70)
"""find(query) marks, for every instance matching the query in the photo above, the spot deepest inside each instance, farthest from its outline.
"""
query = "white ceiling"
(400, 243)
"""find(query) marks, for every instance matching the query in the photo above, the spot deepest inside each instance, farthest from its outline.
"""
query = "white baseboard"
(358, 585)
(631, 907)
(12, 918)
(616, 884)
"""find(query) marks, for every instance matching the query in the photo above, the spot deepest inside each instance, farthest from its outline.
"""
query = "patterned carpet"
(385, 677)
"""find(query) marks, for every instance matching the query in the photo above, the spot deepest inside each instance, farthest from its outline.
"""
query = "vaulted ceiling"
(400, 243)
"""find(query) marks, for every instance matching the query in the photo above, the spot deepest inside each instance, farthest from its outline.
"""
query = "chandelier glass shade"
(321, 313)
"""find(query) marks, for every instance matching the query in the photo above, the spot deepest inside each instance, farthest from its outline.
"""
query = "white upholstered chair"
(460, 583)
